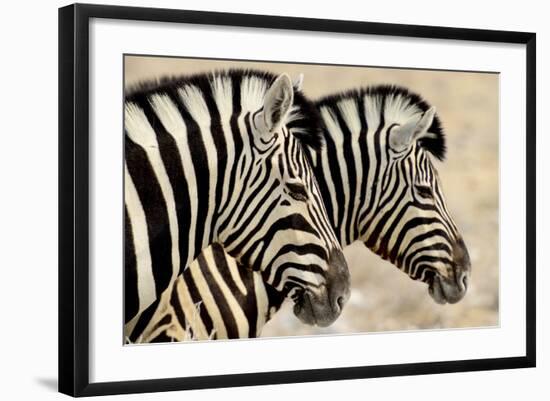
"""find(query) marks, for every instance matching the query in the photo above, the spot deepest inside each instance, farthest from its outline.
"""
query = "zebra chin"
(324, 307)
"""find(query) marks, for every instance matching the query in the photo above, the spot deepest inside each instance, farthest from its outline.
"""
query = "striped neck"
(349, 166)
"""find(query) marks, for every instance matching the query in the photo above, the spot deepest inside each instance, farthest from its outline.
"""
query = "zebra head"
(412, 227)
(274, 220)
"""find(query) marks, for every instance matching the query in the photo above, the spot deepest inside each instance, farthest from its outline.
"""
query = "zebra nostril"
(465, 282)
(340, 301)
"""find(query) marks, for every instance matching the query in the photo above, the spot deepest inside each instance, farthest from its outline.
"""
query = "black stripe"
(352, 175)
(239, 204)
(131, 296)
(196, 297)
(260, 222)
(236, 81)
(253, 215)
(386, 177)
(177, 306)
(143, 321)
(218, 136)
(377, 163)
(388, 195)
(172, 161)
(365, 160)
(156, 215)
(377, 232)
(164, 321)
(409, 225)
(306, 249)
(275, 298)
(336, 176)
(320, 176)
(297, 282)
(418, 239)
(277, 279)
(221, 302)
(247, 223)
(247, 302)
(429, 274)
(161, 338)
(200, 164)
(429, 260)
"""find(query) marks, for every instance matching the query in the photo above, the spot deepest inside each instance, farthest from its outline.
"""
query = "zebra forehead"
(398, 104)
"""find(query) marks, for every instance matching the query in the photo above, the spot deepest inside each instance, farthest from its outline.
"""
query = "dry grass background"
(383, 298)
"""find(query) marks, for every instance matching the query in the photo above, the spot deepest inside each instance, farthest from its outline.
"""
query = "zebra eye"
(424, 191)
(297, 191)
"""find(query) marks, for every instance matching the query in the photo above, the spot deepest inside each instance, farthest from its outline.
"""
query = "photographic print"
(268, 199)
(224, 204)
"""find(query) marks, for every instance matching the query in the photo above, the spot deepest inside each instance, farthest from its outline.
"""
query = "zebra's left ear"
(277, 103)
(403, 136)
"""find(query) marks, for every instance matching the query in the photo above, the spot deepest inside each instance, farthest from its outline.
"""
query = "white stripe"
(136, 215)
(243, 159)
(310, 277)
(191, 311)
(351, 117)
(262, 302)
(253, 90)
(194, 102)
(235, 272)
(172, 121)
(222, 92)
(238, 314)
(338, 138)
(326, 171)
(372, 115)
(208, 301)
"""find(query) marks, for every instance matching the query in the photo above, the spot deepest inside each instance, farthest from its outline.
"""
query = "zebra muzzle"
(452, 289)
(324, 307)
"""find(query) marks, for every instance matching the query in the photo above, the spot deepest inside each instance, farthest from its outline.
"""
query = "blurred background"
(383, 298)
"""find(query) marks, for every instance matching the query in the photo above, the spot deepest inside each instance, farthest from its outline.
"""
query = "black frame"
(74, 203)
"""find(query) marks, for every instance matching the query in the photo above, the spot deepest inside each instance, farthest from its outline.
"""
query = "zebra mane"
(402, 102)
(304, 120)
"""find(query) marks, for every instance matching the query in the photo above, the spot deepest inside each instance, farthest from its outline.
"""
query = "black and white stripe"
(380, 187)
(219, 158)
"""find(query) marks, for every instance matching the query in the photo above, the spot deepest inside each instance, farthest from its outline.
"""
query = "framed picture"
(249, 199)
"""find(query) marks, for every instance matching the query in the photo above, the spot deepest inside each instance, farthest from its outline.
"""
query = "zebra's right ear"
(403, 136)
(277, 103)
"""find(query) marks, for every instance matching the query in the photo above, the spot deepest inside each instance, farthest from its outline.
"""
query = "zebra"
(379, 186)
(218, 158)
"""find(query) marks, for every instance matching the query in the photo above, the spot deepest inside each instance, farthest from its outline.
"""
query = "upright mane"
(303, 121)
(398, 104)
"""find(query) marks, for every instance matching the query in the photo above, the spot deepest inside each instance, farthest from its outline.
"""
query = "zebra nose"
(339, 280)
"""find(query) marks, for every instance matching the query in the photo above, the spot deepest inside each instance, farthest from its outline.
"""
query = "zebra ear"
(298, 82)
(403, 136)
(278, 102)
